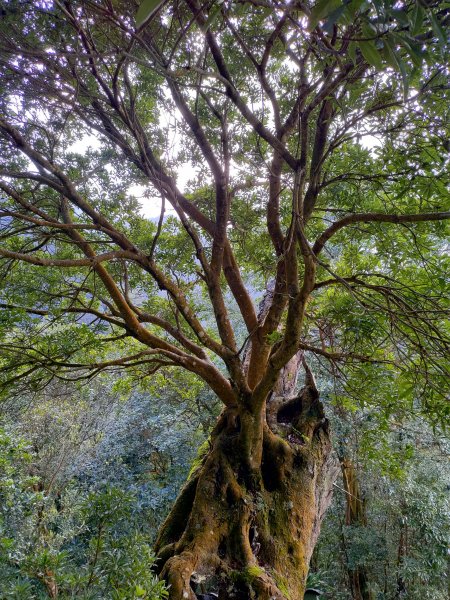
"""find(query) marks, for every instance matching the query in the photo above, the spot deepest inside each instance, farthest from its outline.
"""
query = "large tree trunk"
(246, 523)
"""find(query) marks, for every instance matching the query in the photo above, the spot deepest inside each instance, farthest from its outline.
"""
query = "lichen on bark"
(246, 529)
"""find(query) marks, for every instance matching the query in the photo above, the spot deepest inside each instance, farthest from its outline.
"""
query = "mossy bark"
(246, 523)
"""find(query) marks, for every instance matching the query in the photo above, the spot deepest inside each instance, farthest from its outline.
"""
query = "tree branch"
(373, 218)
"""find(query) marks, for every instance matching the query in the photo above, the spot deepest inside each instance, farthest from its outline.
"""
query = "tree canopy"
(308, 134)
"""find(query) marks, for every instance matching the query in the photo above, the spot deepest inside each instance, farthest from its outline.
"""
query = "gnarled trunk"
(246, 523)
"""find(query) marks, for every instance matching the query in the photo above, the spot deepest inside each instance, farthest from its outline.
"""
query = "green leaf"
(146, 10)
(405, 391)
(400, 66)
(399, 16)
(333, 17)
(353, 6)
(371, 54)
(415, 51)
(440, 34)
(322, 9)
(417, 19)
(239, 10)
(368, 30)
(352, 51)
(139, 591)
(389, 55)
(213, 14)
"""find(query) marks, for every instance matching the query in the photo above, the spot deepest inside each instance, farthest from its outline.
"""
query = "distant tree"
(315, 136)
(399, 549)
(81, 545)
(86, 477)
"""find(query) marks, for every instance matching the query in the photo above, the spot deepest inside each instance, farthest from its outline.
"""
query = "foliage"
(315, 137)
(65, 519)
(379, 160)
(404, 541)
(84, 548)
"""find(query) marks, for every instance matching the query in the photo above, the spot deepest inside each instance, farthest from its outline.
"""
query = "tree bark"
(355, 514)
(402, 552)
(246, 523)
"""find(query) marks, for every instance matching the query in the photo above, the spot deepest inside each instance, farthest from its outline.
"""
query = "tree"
(269, 106)
(68, 543)
(406, 512)
(87, 475)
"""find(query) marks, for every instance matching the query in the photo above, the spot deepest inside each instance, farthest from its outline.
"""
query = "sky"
(151, 206)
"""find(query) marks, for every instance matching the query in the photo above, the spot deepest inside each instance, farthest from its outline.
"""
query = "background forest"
(87, 474)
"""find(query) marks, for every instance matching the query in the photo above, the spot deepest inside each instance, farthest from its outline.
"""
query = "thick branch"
(373, 218)
(234, 94)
